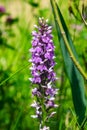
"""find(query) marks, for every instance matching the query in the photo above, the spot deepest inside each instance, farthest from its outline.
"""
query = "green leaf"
(9, 46)
(75, 78)
(32, 3)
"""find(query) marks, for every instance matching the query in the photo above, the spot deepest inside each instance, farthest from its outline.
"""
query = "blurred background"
(17, 18)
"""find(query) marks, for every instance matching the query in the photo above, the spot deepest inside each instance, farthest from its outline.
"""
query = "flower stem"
(68, 47)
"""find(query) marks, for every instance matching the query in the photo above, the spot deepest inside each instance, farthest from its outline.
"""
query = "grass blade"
(23, 67)
(75, 78)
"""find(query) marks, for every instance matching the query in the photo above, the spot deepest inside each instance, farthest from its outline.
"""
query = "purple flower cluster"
(42, 71)
(2, 10)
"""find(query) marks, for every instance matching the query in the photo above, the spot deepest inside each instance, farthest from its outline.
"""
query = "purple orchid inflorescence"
(43, 75)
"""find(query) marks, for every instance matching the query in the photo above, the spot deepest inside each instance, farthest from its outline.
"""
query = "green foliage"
(15, 42)
(75, 78)
(33, 4)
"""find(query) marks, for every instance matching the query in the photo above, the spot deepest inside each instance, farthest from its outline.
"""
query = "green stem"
(85, 23)
(74, 75)
(68, 47)
(74, 59)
